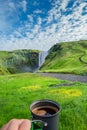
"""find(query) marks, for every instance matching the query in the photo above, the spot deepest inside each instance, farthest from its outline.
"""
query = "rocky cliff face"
(21, 61)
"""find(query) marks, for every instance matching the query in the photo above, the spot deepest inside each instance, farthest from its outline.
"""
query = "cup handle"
(44, 123)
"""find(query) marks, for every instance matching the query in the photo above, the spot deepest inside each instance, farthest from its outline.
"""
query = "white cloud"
(11, 5)
(64, 4)
(37, 11)
(8, 16)
(57, 27)
(39, 21)
(35, 3)
(30, 17)
(24, 5)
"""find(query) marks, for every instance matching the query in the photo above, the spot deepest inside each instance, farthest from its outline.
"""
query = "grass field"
(68, 57)
(18, 91)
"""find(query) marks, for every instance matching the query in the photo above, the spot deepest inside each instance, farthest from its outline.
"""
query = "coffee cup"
(46, 113)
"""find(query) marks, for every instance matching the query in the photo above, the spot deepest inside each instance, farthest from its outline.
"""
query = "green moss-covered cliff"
(18, 61)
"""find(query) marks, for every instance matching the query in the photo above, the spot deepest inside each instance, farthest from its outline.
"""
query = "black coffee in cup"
(46, 111)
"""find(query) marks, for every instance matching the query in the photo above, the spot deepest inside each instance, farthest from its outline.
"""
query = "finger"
(25, 125)
(12, 125)
(4, 127)
(7, 125)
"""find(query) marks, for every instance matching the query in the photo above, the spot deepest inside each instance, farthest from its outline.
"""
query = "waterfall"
(42, 56)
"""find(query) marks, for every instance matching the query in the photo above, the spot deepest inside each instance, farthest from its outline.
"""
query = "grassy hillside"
(18, 61)
(18, 91)
(68, 57)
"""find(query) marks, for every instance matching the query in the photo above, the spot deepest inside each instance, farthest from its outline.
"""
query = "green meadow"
(67, 57)
(18, 91)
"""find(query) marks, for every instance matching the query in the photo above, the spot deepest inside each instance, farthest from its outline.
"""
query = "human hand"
(17, 124)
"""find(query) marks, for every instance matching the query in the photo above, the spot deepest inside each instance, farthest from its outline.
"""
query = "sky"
(39, 24)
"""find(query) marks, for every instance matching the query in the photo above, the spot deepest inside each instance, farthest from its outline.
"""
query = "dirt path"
(70, 77)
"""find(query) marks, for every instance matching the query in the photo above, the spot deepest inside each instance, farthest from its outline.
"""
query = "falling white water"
(42, 56)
